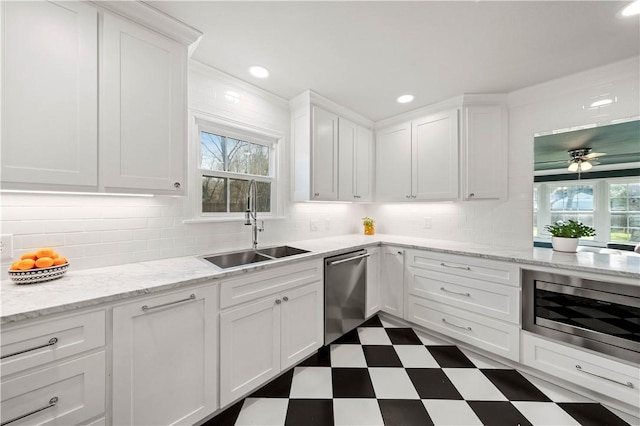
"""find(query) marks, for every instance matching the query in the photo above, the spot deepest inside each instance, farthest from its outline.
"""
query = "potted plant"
(369, 226)
(564, 235)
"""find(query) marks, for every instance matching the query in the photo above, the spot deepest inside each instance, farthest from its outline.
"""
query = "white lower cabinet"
(598, 374)
(372, 292)
(392, 293)
(165, 358)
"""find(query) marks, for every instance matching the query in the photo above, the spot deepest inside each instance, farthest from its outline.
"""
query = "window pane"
(238, 195)
(572, 198)
(212, 149)
(619, 220)
(214, 194)
(618, 204)
(238, 156)
(264, 196)
(634, 220)
(259, 160)
(620, 234)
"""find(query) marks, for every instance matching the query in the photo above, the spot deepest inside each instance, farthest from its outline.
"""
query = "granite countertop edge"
(94, 287)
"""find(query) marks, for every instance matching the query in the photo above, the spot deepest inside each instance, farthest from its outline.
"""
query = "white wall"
(553, 105)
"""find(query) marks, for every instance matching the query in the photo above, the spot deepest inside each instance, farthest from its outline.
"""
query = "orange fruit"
(59, 261)
(44, 252)
(54, 255)
(30, 255)
(26, 264)
(14, 265)
(44, 262)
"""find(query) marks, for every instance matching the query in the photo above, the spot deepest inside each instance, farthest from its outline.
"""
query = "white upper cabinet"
(418, 160)
(393, 163)
(434, 157)
(332, 151)
(142, 109)
(49, 95)
(485, 152)
(355, 155)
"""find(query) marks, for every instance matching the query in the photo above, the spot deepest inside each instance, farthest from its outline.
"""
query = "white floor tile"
(263, 411)
(483, 362)
(555, 392)
(347, 356)
(415, 356)
(392, 383)
(544, 413)
(311, 382)
(447, 412)
(373, 336)
(473, 385)
(354, 411)
(388, 324)
(430, 340)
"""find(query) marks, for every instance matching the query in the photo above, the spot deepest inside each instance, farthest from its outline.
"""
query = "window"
(610, 205)
(228, 161)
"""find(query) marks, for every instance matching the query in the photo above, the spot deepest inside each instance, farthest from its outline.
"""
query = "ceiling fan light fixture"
(585, 165)
(573, 167)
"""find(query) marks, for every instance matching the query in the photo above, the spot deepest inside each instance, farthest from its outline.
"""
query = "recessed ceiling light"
(631, 9)
(405, 99)
(258, 71)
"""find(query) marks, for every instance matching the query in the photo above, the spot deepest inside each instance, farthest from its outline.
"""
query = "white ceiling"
(363, 54)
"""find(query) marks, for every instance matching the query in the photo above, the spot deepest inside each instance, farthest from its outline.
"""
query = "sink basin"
(246, 257)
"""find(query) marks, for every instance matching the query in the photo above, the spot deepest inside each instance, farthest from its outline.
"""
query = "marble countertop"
(92, 287)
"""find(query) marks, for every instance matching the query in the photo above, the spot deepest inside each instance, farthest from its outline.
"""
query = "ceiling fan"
(582, 159)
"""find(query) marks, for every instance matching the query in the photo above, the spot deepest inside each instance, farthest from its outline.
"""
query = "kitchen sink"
(246, 257)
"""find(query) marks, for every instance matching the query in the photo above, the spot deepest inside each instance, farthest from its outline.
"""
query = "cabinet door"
(142, 109)
(485, 152)
(164, 358)
(364, 164)
(434, 164)
(324, 151)
(392, 281)
(347, 155)
(302, 325)
(249, 348)
(49, 95)
(373, 281)
(393, 163)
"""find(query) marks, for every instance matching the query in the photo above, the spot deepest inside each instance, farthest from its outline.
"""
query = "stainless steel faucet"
(251, 213)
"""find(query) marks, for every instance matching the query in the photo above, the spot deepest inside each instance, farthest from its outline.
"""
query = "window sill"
(229, 219)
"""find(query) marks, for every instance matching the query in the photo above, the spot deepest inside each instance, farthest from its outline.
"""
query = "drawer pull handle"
(147, 308)
(465, 268)
(51, 342)
(455, 292)
(455, 325)
(53, 401)
(579, 368)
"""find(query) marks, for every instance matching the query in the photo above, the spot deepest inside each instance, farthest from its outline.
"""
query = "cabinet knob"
(413, 196)
(176, 185)
(472, 195)
(408, 196)
(278, 301)
(400, 253)
(317, 194)
(286, 299)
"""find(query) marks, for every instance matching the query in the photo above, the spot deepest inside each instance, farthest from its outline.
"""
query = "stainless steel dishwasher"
(345, 279)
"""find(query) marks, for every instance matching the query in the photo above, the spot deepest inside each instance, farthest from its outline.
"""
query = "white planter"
(569, 245)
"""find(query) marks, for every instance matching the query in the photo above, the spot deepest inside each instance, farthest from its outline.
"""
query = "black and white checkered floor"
(380, 374)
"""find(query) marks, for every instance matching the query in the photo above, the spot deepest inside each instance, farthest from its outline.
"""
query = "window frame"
(601, 211)
(236, 130)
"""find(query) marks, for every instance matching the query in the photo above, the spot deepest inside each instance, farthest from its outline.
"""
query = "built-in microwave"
(597, 315)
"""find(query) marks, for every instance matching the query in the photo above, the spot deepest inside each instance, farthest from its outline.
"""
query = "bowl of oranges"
(38, 266)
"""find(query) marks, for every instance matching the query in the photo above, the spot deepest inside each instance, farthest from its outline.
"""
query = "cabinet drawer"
(482, 297)
(598, 374)
(494, 336)
(465, 266)
(39, 343)
(255, 285)
(78, 385)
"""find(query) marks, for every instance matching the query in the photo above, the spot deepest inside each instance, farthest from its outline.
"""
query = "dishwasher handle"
(348, 259)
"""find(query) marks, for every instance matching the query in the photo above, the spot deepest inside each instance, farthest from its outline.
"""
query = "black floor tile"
(381, 356)
(228, 417)
(322, 358)
(498, 413)
(514, 386)
(403, 336)
(310, 412)
(374, 321)
(349, 338)
(592, 414)
(280, 387)
(450, 357)
(404, 412)
(432, 383)
(352, 383)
